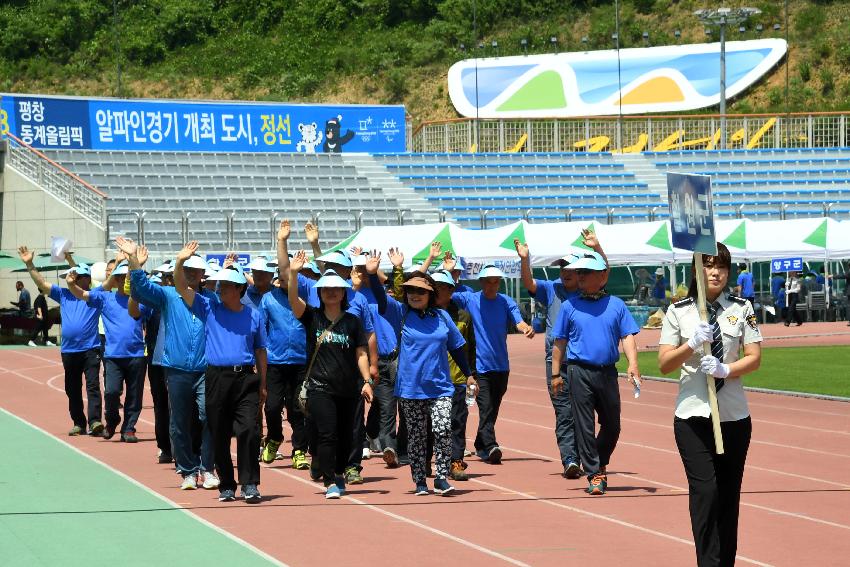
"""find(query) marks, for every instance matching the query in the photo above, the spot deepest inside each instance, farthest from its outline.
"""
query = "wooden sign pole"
(706, 349)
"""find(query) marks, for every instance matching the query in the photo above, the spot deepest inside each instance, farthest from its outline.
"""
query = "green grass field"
(814, 370)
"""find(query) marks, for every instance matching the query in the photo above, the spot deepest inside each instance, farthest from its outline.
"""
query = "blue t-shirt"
(124, 337)
(253, 297)
(461, 288)
(386, 325)
(287, 341)
(423, 359)
(79, 321)
(232, 336)
(357, 303)
(593, 328)
(490, 318)
(659, 289)
(745, 280)
(551, 294)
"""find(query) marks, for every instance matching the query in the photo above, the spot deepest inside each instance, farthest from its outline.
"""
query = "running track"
(794, 507)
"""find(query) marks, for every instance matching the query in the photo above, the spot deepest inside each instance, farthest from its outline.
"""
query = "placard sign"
(691, 212)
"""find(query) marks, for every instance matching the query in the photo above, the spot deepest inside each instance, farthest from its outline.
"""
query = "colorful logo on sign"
(598, 83)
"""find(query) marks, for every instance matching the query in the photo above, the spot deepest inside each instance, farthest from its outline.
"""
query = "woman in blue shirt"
(423, 382)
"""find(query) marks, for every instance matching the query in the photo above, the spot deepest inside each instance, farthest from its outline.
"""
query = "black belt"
(388, 357)
(588, 366)
(238, 369)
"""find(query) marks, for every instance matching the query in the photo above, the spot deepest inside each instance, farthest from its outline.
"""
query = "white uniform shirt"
(739, 327)
(793, 285)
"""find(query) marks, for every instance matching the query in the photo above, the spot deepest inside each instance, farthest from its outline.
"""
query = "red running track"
(794, 507)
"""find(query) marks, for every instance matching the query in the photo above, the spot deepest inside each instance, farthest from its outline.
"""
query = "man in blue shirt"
(180, 350)
(80, 347)
(551, 294)
(235, 345)
(745, 288)
(659, 288)
(262, 274)
(124, 353)
(587, 333)
(24, 302)
(492, 313)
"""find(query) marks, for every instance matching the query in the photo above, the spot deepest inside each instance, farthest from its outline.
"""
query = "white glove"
(713, 367)
(703, 333)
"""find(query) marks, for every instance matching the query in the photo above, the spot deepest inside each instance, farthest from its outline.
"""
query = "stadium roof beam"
(722, 17)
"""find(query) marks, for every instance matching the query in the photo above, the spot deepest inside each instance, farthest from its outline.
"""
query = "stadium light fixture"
(722, 17)
(524, 43)
(554, 42)
(645, 36)
(495, 45)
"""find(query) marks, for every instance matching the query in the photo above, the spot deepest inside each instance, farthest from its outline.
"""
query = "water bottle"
(471, 391)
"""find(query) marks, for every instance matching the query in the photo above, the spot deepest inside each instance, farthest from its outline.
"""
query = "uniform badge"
(752, 321)
(732, 319)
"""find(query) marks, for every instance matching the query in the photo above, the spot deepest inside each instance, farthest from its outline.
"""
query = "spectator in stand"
(24, 302)
(42, 321)
(80, 347)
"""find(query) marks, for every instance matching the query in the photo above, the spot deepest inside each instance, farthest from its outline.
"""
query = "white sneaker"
(48, 343)
(189, 482)
(367, 454)
(31, 344)
(210, 480)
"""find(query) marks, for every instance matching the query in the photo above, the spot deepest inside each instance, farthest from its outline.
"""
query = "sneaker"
(76, 430)
(367, 453)
(596, 485)
(442, 486)
(209, 480)
(300, 461)
(190, 482)
(572, 471)
(340, 483)
(332, 492)
(270, 451)
(96, 429)
(129, 437)
(421, 490)
(251, 494)
(164, 458)
(352, 476)
(467, 453)
(390, 457)
(278, 456)
(32, 344)
(226, 495)
(315, 473)
(48, 343)
(108, 432)
(494, 457)
(458, 471)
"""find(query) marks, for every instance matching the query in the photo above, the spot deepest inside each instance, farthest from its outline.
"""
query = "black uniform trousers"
(491, 389)
(232, 403)
(594, 390)
(332, 420)
(283, 382)
(77, 365)
(714, 484)
(161, 413)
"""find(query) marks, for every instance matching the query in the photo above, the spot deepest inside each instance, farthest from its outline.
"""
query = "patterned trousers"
(416, 413)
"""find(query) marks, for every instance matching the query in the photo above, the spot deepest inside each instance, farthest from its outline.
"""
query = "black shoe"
(164, 458)
(129, 437)
(108, 432)
(494, 457)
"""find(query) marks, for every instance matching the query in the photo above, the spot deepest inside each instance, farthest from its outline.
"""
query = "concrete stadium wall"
(31, 216)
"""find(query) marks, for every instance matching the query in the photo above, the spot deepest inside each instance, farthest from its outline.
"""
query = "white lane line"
(24, 376)
(152, 492)
(409, 521)
(42, 367)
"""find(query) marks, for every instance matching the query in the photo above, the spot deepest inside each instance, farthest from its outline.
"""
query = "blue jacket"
(182, 338)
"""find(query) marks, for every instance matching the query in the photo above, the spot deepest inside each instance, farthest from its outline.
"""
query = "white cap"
(490, 271)
(195, 261)
(332, 279)
(121, 269)
(337, 257)
(590, 261)
(260, 264)
(230, 274)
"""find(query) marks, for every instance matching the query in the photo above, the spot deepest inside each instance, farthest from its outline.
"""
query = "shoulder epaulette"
(736, 299)
(683, 302)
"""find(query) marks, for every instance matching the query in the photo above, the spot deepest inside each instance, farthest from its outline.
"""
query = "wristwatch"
(369, 381)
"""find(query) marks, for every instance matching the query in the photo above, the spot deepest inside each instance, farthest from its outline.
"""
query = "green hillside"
(373, 51)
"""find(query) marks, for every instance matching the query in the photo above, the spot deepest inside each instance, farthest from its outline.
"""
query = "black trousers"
(491, 389)
(41, 326)
(232, 403)
(460, 413)
(161, 413)
(381, 423)
(358, 436)
(793, 314)
(77, 365)
(714, 485)
(283, 382)
(332, 418)
(594, 393)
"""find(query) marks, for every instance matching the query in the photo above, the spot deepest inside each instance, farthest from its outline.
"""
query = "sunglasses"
(416, 291)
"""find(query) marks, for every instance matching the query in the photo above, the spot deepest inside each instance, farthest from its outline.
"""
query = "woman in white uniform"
(714, 481)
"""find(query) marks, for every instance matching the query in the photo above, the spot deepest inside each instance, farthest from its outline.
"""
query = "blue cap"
(444, 277)
(195, 261)
(261, 264)
(490, 271)
(121, 269)
(155, 278)
(82, 270)
(460, 265)
(590, 261)
(332, 279)
(312, 267)
(232, 274)
(337, 257)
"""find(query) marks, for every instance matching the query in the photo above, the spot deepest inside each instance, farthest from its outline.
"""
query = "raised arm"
(297, 304)
(283, 250)
(525, 267)
(591, 241)
(26, 256)
(397, 277)
(77, 291)
(433, 253)
(180, 283)
(69, 257)
(374, 283)
(312, 233)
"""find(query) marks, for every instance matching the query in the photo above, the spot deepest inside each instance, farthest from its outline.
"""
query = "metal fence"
(762, 131)
(57, 181)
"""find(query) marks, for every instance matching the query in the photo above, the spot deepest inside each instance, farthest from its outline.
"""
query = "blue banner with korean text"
(691, 213)
(786, 264)
(154, 125)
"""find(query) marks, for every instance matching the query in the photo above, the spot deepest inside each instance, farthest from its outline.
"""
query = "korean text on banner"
(691, 212)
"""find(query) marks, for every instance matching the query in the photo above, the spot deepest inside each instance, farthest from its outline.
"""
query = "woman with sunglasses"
(714, 481)
(337, 370)
(424, 384)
